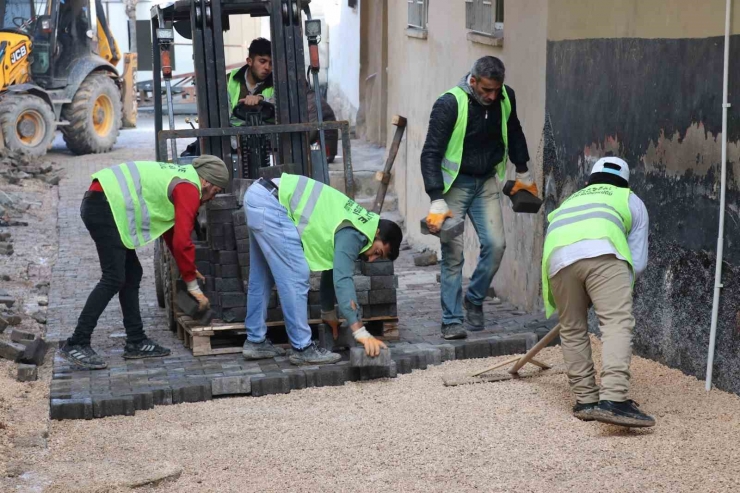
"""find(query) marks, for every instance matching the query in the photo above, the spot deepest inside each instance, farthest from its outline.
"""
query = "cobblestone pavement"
(127, 386)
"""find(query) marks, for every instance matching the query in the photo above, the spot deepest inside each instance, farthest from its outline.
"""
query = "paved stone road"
(127, 386)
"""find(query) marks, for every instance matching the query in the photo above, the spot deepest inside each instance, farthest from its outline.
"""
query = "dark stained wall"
(657, 104)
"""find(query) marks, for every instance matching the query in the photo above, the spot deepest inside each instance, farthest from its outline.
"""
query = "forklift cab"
(204, 22)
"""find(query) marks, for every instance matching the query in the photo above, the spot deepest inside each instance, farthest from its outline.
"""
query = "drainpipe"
(720, 237)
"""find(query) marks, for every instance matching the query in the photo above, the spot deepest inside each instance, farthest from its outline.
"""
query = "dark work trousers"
(121, 274)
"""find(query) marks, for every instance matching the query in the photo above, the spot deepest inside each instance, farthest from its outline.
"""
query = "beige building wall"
(419, 70)
(671, 19)
(243, 30)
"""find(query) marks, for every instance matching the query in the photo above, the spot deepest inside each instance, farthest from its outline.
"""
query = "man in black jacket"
(473, 131)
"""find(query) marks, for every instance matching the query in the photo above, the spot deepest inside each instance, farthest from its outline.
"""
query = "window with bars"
(485, 17)
(418, 13)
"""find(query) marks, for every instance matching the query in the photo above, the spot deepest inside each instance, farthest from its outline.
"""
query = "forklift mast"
(204, 21)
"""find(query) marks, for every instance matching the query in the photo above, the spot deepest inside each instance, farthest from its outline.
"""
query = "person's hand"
(371, 344)
(252, 100)
(438, 212)
(195, 292)
(200, 276)
(524, 182)
(330, 318)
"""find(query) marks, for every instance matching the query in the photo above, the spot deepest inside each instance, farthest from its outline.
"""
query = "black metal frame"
(163, 136)
(207, 18)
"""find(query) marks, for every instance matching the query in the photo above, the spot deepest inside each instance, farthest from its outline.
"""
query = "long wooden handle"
(497, 365)
(385, 176)
(536, 349)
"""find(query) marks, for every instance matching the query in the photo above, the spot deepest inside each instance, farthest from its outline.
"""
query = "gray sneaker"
(313, 355)
(83, 357)
(261, 350)
(453, 331)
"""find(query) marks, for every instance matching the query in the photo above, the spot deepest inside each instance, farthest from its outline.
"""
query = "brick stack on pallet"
(224, 261)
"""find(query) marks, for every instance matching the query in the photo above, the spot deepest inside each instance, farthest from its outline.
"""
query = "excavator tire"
(27, 124)
(94, 116)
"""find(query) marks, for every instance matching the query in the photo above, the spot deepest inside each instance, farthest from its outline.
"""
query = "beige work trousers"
(606, 282)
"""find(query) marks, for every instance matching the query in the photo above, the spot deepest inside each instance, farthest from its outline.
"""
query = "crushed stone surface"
(409, 434)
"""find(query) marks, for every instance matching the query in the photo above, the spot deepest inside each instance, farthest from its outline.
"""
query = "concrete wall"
(419, 70)
(644, 81)
(341, 34)
(374, 71)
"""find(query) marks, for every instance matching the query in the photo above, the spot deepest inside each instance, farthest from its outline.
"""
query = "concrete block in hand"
(35, 352)
(451, 228)
(27, 373)
(359, 359)
(222, 201)
(189, 307)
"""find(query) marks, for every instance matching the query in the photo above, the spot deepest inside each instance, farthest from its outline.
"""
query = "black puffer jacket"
(483, 147)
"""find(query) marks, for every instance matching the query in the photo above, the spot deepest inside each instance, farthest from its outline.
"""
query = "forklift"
(253, 149)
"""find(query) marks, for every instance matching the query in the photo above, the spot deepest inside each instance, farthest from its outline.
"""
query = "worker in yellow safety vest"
(596, 245)
(126, 207)
(298, 225)
(252, 83)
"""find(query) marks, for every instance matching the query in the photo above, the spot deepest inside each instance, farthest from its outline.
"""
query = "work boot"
(144, 349)
(585, 412)
(453, 331)
(622, 414)
(82, 357)
(261, 350)
(474, 315)
(313, 355)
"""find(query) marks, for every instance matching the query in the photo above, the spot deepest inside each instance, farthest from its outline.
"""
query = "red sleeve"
(186, 200)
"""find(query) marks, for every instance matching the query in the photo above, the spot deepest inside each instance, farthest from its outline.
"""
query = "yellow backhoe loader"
(57, 69)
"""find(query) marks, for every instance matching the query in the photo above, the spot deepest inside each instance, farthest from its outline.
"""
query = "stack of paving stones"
(224, 261)
(143, 384)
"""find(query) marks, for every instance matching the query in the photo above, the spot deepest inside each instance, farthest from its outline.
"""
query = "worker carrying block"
(128, 206)
(298, 225)
(595, 247)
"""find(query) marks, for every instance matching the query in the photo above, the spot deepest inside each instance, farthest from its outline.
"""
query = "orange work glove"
(372, 345)
(330, 318)
(524, 182)
(438, 212)
(195, 292)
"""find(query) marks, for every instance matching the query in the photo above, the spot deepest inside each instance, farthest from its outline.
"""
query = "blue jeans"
(479, 199)
(275, 257)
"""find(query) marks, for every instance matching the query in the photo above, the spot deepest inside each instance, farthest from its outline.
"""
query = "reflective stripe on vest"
(595, 212)
(138, 195)
(454, 152)
(234, 88)
(318, 211)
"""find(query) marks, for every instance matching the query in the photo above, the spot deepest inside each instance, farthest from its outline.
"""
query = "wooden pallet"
(227, 338)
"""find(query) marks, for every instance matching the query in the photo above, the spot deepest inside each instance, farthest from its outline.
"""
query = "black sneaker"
(313, 355)
(622, 414)
(261, 350)
(585, 412)
(145, 349)
(474, 315)
(82, 357)
(453, 331)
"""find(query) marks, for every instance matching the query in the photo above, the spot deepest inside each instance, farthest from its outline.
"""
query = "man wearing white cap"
(596, 245)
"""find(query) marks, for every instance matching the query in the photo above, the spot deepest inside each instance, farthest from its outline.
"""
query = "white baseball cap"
(614, 166)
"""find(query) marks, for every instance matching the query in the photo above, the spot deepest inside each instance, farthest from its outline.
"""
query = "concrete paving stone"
(113, 406)
(21, 336)
(362, 283)
(143, 400)
(325, 376)
(377, 268)
(404, 364)
(227, 257)
(363, 297)
(231, 385)
(222, 201)
(187, 392)
(241, 232)
(270, 383)
(297, 378)
(71, 409)
(233, 300)
(12, 351)
(358, 358)
(27, 373)
(228, 285)
(515, 344)
(162, 396)
(477, 349)
(530, 340)
(384, 282)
